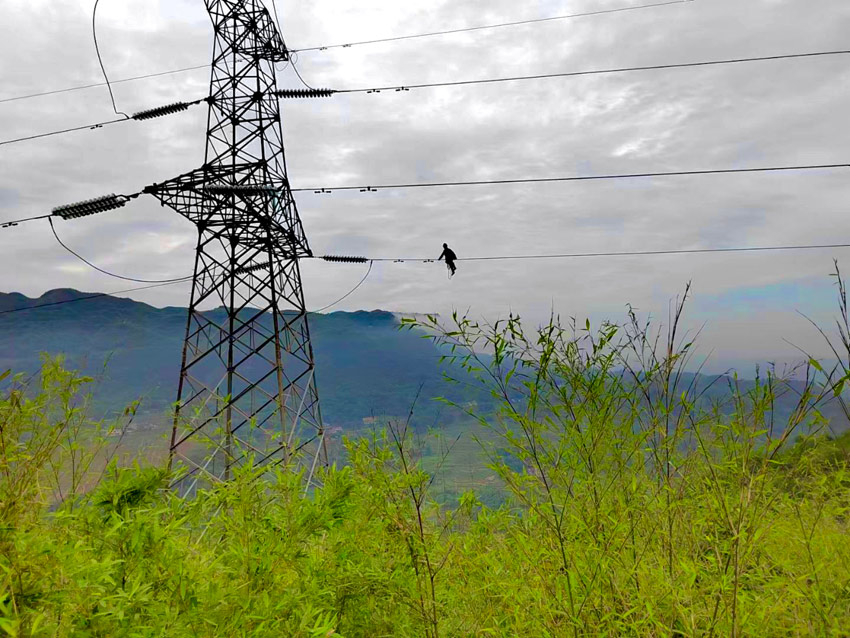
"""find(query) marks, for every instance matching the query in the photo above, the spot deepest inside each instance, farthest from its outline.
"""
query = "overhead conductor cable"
(483, 27)
(166, 110)
(627, 253)
(87, 297)
(573, 74)
(571, 178)
(147, 114)
(352, 44)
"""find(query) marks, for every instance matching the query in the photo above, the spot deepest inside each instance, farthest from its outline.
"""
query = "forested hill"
(366, 366)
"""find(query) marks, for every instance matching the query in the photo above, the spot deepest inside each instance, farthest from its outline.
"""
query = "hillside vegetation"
(365, 366)
(631, 506)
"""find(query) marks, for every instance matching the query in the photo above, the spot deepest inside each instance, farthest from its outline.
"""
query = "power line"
(79, 209)
(15, 222)
(94, 85)
(531, 180)
(490, 26)
(66, 130)
(147, 114)
(95, 296)
(632, 253)
(351, 44)
(404, 87)
(570, 74)
(106, 272)
(578, 178)
(489, 258)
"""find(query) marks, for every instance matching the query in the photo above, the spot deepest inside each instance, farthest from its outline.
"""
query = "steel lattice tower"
(247, 384)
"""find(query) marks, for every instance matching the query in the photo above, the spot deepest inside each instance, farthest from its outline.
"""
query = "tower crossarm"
(247, 29)
(214, 198)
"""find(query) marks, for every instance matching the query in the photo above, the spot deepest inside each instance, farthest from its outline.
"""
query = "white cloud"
(790, 112)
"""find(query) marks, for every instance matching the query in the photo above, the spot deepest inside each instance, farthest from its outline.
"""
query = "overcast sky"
(770, 113)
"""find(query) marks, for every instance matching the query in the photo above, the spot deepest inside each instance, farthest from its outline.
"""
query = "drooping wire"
(100, 60)
(106, 272)
(573, 74)
(491, 26)
(276, 17)
(293, 56)
(346, 295)
(577, 178)
(293, 60)
(171, 283)
(282, 67)
(88, 297)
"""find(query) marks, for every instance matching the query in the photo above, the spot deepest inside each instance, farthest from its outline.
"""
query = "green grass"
(603, 498)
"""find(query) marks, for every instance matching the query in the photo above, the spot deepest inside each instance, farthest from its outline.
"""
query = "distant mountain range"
(366, 367)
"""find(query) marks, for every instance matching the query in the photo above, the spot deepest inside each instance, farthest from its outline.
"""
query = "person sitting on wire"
(450, 258)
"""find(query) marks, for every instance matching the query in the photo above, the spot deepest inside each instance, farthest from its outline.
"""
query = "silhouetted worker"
(450, 258)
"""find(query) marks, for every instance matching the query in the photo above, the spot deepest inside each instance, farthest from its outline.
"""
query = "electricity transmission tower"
(247, 384)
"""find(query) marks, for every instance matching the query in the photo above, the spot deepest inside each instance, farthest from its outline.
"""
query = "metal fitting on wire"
(160, 111)
(90, 206)
(303, 93)
(345, 259)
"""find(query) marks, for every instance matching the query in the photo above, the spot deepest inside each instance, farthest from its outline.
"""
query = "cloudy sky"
(771, 113)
